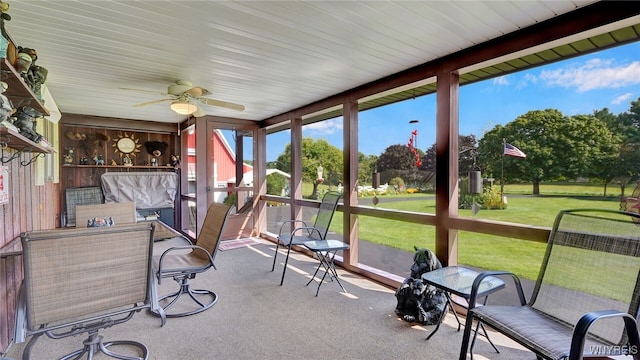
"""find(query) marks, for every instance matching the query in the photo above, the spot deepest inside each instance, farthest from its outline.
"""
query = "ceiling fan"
(185, 97)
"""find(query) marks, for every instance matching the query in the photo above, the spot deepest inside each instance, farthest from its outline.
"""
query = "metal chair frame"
(577, 306)
(63, 293)
(318, 231)
(183, 262)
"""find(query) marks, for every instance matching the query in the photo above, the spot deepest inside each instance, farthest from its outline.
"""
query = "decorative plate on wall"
(126, 144)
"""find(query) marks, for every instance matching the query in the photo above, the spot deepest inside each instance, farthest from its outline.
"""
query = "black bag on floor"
(418, 302)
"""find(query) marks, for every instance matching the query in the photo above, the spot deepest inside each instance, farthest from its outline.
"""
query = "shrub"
(465, 201)
(397, 183)
(492, 199)
(231, 199)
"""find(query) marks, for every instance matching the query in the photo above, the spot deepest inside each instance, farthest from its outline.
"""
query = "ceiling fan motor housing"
(179, 88)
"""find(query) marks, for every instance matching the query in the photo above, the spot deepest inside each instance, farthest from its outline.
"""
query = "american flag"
(513, 151)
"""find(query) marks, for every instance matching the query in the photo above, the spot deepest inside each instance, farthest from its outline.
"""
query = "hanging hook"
(10, 158)
(33, 158)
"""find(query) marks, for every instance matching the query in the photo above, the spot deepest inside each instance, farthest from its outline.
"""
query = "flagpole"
(504, 143)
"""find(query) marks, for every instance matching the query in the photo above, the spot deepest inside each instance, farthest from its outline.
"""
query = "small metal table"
(458, 280)
(326, 251)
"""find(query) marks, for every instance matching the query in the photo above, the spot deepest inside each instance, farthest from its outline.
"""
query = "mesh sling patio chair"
(585, 300)
(82, 280)
(301, 234)
(183, 262)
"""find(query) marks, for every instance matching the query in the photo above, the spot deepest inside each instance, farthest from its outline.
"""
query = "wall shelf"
(75, 175)
(18, 142)
(18, 91)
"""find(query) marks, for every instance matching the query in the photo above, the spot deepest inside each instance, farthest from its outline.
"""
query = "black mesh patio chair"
(81, 281)
(585, 301)
(303, 232)
(183, 262)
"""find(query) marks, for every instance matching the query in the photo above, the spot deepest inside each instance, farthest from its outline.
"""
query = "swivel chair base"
(94, 344)
(194, 294)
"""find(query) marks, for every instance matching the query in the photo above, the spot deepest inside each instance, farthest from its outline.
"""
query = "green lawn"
(487, 251)
(583, 189)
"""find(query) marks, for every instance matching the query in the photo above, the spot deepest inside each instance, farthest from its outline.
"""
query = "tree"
(632, 117)
(315, 153)
(623, 166)
(366, 167)
(395, 157)
(276, 183)
(399, 161)
(556, 146)
(590, 143)
(465, 157)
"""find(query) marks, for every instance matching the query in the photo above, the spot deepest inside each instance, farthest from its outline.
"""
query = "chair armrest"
(585, 322)
(484, 274)
(187, 240)
(176, 248)
(289, 222)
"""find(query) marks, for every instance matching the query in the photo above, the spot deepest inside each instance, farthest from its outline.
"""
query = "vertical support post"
(350, 171)
(240, 196)
(260, 179)
(204, 151)
(447, 89)
(296, 167)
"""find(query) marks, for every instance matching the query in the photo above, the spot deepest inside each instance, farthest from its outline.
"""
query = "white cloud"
(501, 80)
(324, 127)
(530, 78)
(593, 74)
(621, 98)
(526, 80)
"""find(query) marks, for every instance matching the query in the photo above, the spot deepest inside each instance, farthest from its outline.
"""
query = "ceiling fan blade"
(151, 102)
(197, 91)
(224, 104)
(140, 90)
(199, 112)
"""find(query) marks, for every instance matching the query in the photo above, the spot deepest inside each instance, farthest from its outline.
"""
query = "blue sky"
(606, 79)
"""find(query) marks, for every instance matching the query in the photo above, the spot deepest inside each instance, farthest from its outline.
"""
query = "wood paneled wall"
(30, 207)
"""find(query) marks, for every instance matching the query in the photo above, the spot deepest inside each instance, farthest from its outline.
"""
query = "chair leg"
(275, 256)
(185, 288)
(484, 330)
(286, 261)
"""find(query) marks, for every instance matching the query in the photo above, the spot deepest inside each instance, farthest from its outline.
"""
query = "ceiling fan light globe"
(183, 107)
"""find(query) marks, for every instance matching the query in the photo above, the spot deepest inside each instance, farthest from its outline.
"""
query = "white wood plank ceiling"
(270, 56)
